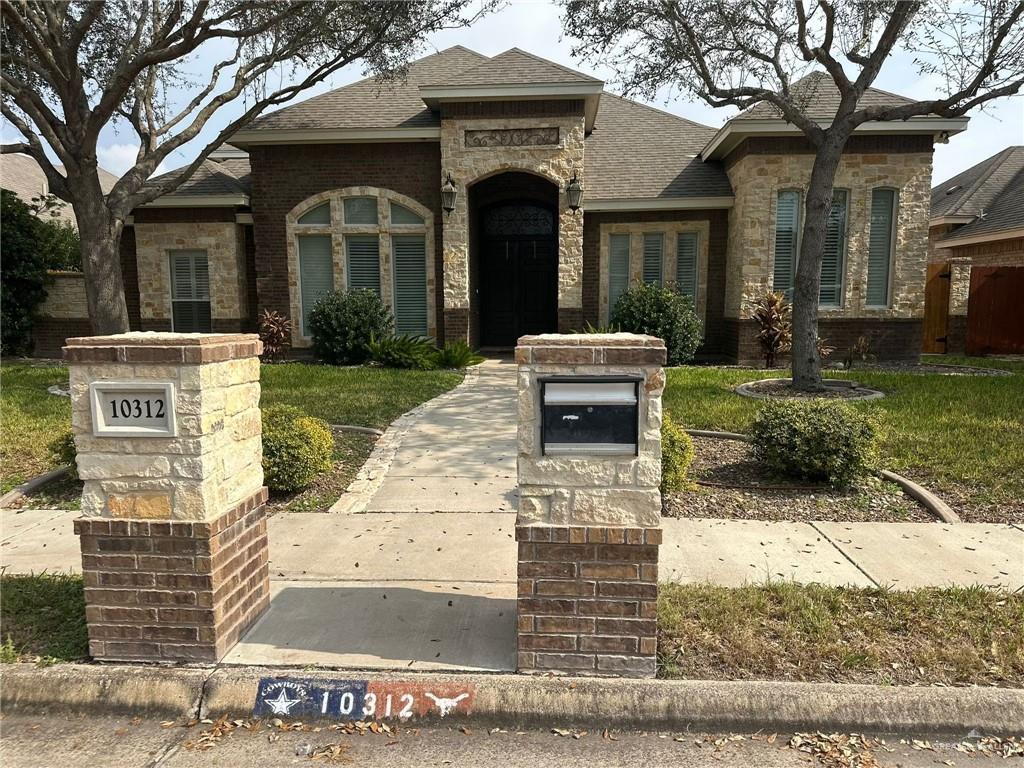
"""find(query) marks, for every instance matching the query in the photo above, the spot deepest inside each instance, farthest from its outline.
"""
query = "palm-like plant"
(773, 315)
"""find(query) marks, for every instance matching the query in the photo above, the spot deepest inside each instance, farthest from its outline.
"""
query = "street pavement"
(55, 741)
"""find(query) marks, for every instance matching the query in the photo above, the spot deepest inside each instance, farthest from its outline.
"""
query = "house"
(976, 259)
(346, 190)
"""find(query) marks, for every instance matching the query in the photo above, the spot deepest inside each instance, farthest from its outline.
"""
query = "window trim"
(338, 231)
(893, 233)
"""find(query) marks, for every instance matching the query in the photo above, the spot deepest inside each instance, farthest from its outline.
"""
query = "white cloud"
(118, 158)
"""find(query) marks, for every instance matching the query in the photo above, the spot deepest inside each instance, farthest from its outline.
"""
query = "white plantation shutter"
(686, 264)
(410, 260)
(363, 255)
(618, 269)
(316, 273)
(787, 228)
(190, 292)
(653, 249)
(833, 255)
(883, 208)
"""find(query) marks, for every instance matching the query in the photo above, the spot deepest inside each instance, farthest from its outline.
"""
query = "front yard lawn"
(962, 436)
(42, 617)
(786, 631)
(30, 418)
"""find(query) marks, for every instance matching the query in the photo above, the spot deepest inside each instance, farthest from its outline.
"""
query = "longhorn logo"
(445, 706)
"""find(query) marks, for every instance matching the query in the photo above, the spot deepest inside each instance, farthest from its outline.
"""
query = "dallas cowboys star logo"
(282, 705)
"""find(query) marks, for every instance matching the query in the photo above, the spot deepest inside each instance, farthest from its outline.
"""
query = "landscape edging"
(922, 495)
(32, 484)
(511, 700)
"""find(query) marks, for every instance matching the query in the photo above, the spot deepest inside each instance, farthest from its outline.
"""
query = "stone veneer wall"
(470, 164)
(588, 526)
(173, 533)
(224, 244)
(757, 177)
(63, 313)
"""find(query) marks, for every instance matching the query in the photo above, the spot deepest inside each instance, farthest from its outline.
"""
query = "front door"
(518, 273)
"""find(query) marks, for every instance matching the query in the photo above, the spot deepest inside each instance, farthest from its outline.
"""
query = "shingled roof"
(992, 192)
(514, 67)
(818, 96)
(636, 151)
(219, 177)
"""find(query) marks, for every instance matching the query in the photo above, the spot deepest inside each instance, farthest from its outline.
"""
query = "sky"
(535, 26)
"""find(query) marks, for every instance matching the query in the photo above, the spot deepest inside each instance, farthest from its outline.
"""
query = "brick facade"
(174, 591)
(588, 600)
(284, 176)
(893, 339)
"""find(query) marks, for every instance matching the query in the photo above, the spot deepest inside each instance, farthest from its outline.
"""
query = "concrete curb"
(28, 486)
(360, 430)
(512, 700)
(746, 389)
(919, 493)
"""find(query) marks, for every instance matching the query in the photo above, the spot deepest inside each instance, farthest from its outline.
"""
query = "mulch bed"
(783, 389)
(351, 450)
(733, 485)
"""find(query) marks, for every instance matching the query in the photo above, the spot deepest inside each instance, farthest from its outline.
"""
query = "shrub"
(456, 354)
(62, 449)
(22, 273)
(296, 448)
(662, 312)
(815, 440)
(275, 332)
(342, 323)
(676, 455)
(773, 316)
(405, 351)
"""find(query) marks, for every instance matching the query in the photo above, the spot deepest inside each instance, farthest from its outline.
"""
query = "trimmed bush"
(406, 351)
(63, 451)
(816, 440)
(662, 312)
(296, 448)
(343, 323)
(676, 455)
(457, 354)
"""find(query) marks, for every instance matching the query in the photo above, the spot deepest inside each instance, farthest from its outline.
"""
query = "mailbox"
(590, 415)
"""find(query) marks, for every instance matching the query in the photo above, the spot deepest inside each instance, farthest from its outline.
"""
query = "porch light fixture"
(574, 191)
(449, 194)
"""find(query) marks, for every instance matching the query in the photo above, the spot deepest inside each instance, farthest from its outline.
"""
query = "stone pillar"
(173, 533)
(589, 525)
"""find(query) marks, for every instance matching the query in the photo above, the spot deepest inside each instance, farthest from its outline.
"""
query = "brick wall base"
(588, 600)
(956, 335)
(456, 325)
(50, 333)
(570, 320)
(174, 590)
(891, 339)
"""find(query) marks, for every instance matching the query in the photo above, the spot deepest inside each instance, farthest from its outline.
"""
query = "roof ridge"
(620, 97)
(535, 57)
(995, 162)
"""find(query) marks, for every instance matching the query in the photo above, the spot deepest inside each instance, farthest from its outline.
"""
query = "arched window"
(363, 238)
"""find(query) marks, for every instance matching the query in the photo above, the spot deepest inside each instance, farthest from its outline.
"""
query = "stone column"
(173, 528)
(589, 526)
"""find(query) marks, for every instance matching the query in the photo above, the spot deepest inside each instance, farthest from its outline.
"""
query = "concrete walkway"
(425, 579)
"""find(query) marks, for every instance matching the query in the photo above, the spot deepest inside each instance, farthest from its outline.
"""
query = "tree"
(70, 69)
(742, 52)
(22, 272)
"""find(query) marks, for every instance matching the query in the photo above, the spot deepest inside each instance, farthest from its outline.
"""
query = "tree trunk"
(100, 235)
(804, 355)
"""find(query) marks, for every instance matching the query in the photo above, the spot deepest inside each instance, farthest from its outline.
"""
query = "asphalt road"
(86, 742)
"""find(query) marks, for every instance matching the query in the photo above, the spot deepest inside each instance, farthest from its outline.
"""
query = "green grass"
(30, 418)
(42, 617)
(365, 397)
(786, 631)
(945, 430)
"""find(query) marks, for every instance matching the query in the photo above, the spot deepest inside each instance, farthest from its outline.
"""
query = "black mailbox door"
(590, 417)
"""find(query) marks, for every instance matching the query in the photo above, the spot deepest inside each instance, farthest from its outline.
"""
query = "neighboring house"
(976, 266)
(344, 190)
(64, 312)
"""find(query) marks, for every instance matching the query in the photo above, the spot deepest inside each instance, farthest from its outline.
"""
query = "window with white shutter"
(880, 245)
(618, 269)
(316, 273)
(410, 257)
(190, 292)
(833, 257)
(363, 256)
(654, 247)
(686, 264)
(787, 234)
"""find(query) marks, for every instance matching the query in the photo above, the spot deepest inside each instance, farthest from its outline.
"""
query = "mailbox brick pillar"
(173, 532)
(589, 526)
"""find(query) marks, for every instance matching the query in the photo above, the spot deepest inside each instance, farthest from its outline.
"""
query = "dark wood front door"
(936, 309)
(995, 319)
(518, 273)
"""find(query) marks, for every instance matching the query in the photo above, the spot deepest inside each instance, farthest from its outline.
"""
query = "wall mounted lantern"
(574, 191)
(449, 194)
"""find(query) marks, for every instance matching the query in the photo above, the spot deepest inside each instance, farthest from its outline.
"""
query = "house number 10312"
(132, 409)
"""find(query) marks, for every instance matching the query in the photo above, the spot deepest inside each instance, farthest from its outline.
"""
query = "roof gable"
(515, 67)
(817, 94)
(973, 191)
